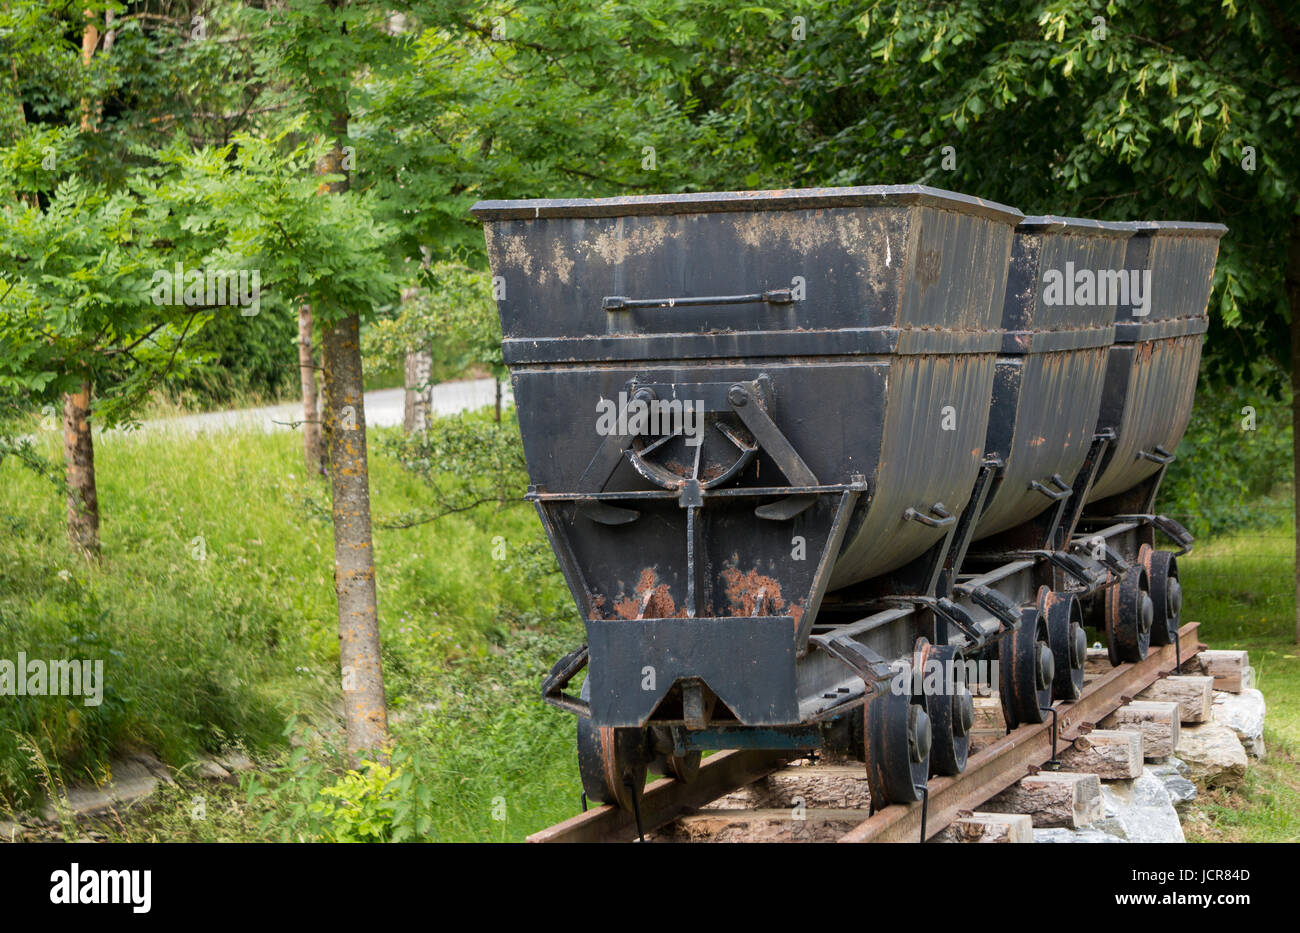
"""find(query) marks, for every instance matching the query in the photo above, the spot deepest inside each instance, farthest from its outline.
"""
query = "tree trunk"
(79, 465)
(78, 443)
(364, 706)
(312, 452)
(89, 39)
(498, 399)
(415, 414)
(354, 564)
(1293, 299)
(417, 368)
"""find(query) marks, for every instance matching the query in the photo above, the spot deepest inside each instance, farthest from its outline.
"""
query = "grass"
(213, 609)
(225, 650)
(1242, 589)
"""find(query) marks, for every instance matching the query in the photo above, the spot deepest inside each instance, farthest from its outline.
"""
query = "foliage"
(1115, 111)
(467, 461)
(242, 633)
(259, 197)
(77, 303)
(1237, 451)
(451, 308)
(481, 758)
(236, 358)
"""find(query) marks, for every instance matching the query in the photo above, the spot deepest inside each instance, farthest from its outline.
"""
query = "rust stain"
(744, 590)
(651, 599)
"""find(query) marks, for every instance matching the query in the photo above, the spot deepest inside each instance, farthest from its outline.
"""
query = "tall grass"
(1241, 587)
(213, 606)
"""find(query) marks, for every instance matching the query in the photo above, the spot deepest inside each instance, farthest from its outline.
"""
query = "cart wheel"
(1129, 614)
(950, 707)
(898, 748)
(1166, 594)
(1069, 644)
(683, 768)
(1026, 669)
(612, 761)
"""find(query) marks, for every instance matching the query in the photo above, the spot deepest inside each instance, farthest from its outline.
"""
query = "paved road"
(383, 409)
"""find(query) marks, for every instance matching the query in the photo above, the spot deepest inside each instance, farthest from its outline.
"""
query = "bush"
(1227, 471)
(240, 357)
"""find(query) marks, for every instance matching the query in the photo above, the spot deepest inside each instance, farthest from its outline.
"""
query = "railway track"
(725, 802)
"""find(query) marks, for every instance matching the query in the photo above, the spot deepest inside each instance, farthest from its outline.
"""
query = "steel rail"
(667, 799)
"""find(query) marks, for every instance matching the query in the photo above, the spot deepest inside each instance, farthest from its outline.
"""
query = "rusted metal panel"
(1152, 367)
(1048, 382)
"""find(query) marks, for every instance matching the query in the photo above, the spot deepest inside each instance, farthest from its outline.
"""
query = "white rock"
(1085, 834)
(235, 762)
(1214, 754)
(1139, 810)
(1243, 713)
(1174, 771)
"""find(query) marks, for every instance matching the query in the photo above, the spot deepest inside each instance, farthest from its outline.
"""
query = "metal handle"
(1160, 455)
(945, 517)
(775, 296)
(1063, 489)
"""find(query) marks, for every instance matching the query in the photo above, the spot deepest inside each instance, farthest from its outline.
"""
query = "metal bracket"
(1157, 455)
(1063, 489)
(1171, 528)
(1074, 567)
(950, 612)
(1002, 608)
(866, 663)
(563, 671)
(960, 619)
(942, 517)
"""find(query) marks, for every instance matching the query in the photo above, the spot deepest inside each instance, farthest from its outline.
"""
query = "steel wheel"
(1166, 594)
(951, 708)
(1069, 643)
(683, 768)
(1129, 613)
(612, 761)
(1026, 669)
(898, 748)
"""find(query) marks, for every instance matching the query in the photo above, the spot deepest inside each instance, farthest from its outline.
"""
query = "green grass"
(203, 654)
(200, 654)
(1241, 588)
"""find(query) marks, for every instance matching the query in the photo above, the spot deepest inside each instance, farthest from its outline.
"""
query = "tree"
(1157, 111)
(78, 311)
(322, 50)
(332, 253)
(81, 215)
(451, 304)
